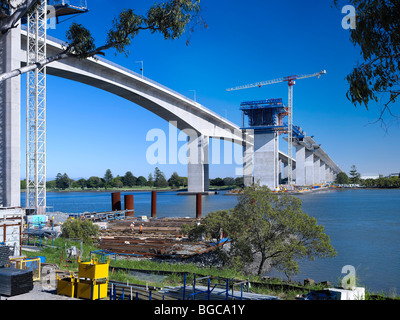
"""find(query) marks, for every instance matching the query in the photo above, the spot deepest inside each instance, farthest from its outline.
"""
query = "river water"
(363, 225)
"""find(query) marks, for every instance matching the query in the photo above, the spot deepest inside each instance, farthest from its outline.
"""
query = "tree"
(150, 180)
(377, 34)
(159, 179)
(141, 181)
(354, 175)
(108, 176)
(63, 181)
(228, 181)
(11, 12)
(94, 182)
(342, 178)
(217, 182)
(239, 182)
(175, 180)
(77, 228)
(51, 184)
(129, 179)
(213, 228)
(82, 183)
(117, 182)
(23, 184)
(265, 227)
(169, 19)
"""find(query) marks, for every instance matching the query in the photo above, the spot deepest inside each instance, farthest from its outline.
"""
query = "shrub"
(79, 229)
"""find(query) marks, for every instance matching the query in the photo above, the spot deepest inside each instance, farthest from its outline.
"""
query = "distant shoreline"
(128, 190)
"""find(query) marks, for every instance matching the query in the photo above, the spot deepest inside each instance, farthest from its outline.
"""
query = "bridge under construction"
(263, 162)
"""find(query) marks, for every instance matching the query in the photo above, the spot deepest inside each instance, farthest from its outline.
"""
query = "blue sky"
(89, 131)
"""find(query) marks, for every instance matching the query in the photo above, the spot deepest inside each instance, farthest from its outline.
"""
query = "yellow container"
(92, 290)
(66, 287)
(23, 263)
(93, 270)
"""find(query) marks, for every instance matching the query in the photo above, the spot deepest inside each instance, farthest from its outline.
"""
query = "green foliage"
(159, 179)
(175, 180)
(265, 227)
(79, 229)
(217, 182)
(141, 181)
(342, 178)
(94, 182)
(355, 177)
(129, 179)
(80, 41)
(63, 181)
(377, 35)
(108, 177)
(275, 228)
(382, 182)
(169, 18)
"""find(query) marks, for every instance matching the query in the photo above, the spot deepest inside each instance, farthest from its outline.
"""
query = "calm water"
(364, 227)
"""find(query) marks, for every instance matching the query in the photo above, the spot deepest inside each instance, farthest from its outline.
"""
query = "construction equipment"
(291, 80)
(91, 282)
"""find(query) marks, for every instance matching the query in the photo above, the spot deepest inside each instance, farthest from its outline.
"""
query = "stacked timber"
(160, 227)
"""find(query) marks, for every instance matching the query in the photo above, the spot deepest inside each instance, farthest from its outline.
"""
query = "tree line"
(155, 179)
(354, 177)
(128, 180)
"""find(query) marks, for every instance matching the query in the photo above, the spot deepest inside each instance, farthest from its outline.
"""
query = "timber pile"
(161, 238)
(163, 227)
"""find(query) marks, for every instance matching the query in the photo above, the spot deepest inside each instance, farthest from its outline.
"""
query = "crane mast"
(291, 80)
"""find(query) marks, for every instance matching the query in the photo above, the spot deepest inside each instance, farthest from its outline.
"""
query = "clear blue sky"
(89, 131)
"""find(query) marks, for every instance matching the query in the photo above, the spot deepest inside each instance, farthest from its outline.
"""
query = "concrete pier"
(10, 120)
(198, 164)
(266, 159)
(309, 167)
(300, 165)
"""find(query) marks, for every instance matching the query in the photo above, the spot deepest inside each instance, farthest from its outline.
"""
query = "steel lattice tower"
(36, 111)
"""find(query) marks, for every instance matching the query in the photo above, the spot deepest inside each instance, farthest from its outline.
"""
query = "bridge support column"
(266, 159)
(198, 165)
(322, 172)
(286, 171)
(309, 167)
(300, 166)
(317, 165)
(327, 177)
(248, 163)
(10, 120)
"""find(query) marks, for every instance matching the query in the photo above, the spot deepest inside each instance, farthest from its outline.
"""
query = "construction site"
(36, 262)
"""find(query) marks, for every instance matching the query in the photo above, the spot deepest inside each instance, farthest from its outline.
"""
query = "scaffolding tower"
(36, 96)
(36, 111)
